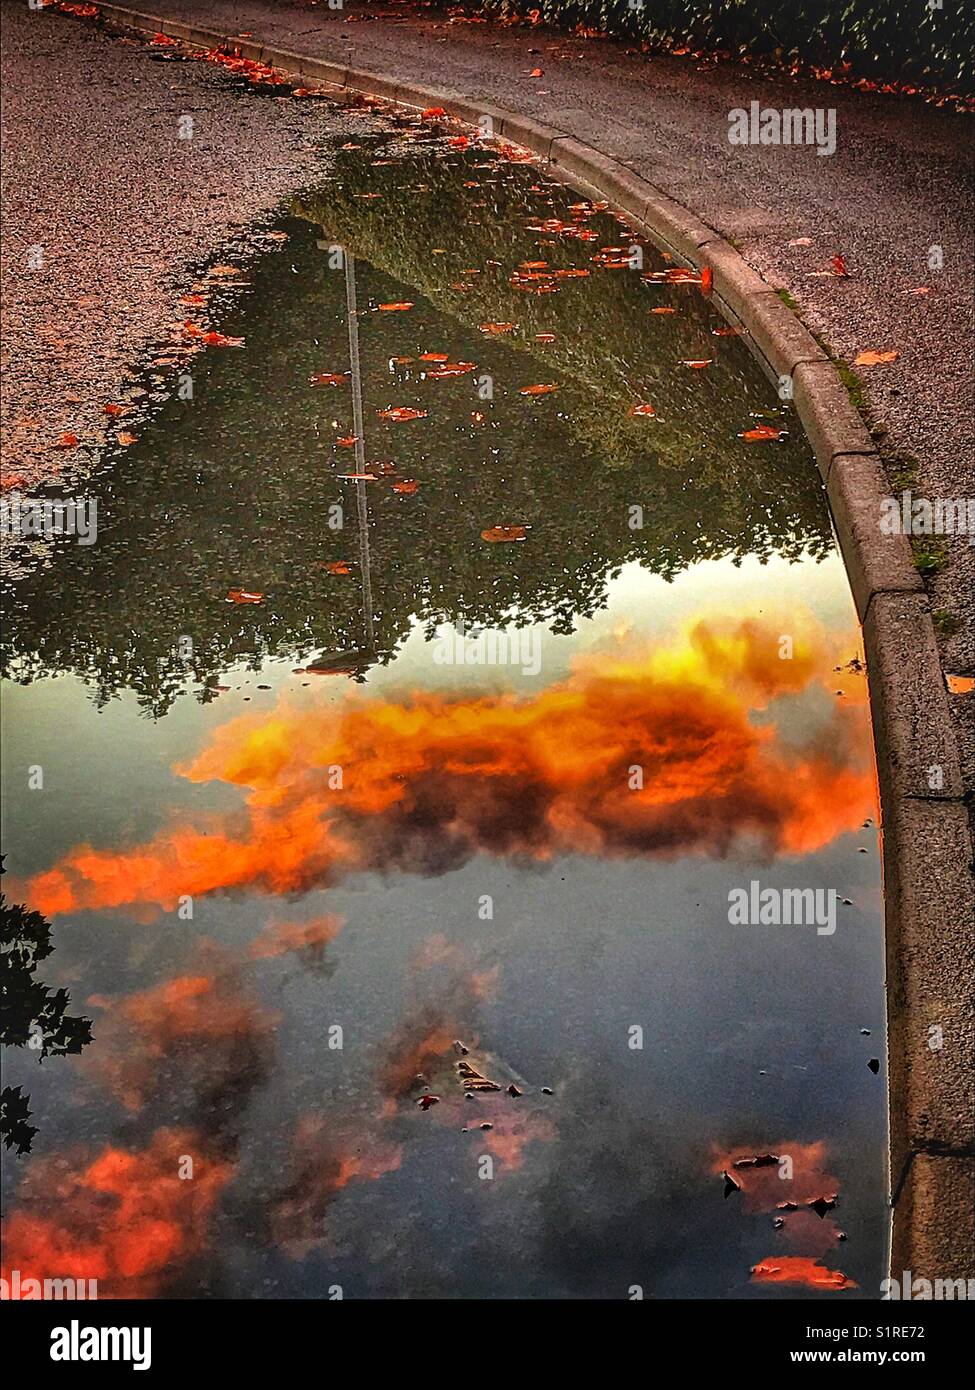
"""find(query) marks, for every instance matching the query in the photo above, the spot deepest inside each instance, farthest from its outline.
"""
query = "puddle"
(390, 826)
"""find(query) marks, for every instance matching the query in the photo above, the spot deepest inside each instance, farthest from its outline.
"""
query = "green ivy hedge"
(884, 40)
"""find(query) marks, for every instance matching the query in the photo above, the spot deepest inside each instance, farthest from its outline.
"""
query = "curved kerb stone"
(929, 889)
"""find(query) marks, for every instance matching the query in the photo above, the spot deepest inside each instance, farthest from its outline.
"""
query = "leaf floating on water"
(544, 337)
(126, 437)
(329, 379)
(450, 369)
(347, 441)
(726, 332)
(402, 412)
(222, 271)
(701, 362)
(663, 310)
(112, 409)
(495, 534)
(541, 389)
(432, 111)
(763, 432)
(277, 236)
(337, 566)
(839, 267)
(214, 339)
(407, 487)
(434, 357)
(193, 299)
(68, 440)
(497, 327)
(644, 409)
(394, 308)
(244, 596)
(873, 359)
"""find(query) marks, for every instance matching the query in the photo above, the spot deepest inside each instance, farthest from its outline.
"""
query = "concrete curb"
(927, 844)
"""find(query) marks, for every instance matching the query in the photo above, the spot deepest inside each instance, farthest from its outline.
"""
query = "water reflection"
(370, 958)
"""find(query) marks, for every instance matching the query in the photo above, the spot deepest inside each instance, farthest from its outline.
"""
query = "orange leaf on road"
(873, 359)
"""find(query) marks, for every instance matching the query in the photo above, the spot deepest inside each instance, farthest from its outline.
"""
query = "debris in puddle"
(729, 1183)
(874, 1065)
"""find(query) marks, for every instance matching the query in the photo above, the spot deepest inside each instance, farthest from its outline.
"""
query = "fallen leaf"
(663, 310)
(707, 280)
(214, 339)
(126, 437)
(193, 299)
(407, 487)
(497, 327)
(337, 566)
(642, 410)
(761, 432)
(699, 362)
(873, 359)
(504, 533)
(544, 337)
(434, 357)
(394, 308)
(801, 241)
(402, 412)
(449, 369)
(68, 440)
(113, 409)
(243, 596)
(347, 441)
(329, 379)
(433, 111)
(839, 266)
(542, 389)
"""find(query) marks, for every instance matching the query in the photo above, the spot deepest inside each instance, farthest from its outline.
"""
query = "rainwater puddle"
(401, 779)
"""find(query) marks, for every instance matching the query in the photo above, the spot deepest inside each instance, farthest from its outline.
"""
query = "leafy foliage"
(881, 39)
(30, 1015)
